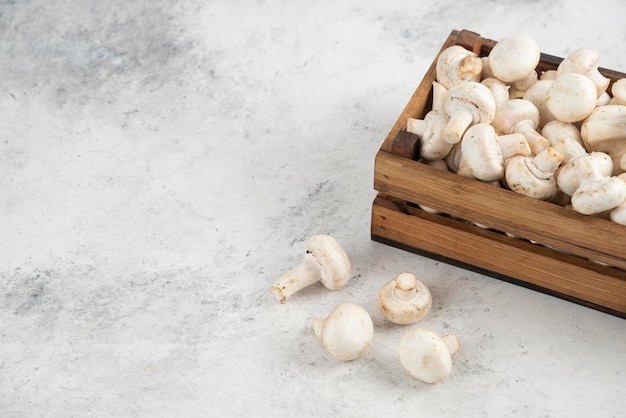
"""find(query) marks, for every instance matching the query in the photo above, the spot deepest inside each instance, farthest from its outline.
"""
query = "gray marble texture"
(162, 163)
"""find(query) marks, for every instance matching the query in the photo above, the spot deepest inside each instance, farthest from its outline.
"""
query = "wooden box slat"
(547, 267)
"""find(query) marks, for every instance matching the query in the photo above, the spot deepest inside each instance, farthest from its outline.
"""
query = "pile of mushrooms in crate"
(558, 136)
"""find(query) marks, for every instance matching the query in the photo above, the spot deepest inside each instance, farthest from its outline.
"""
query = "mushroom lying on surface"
(405, 299)
(346, 332)
(534, 177)
(325, 261)
(426, 355)
(467, 104)
(456, 65)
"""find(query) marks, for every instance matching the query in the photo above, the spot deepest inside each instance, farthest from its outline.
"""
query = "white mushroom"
(605, 130)
(585, 61)
(467, 104)
(456, 64)
(499, 90)
(571, 97)
(405, 299)
(439, 94)
(534, 177)
(429, 129)
(618, 215)
(481, 152)
(618, 89)
(565, 138)
(537, 94)
(346, 332)
(513, 58)
(597, 193)
(519, 88)
(325, 261)
(569, 175)
(521, 116)
(426, 355)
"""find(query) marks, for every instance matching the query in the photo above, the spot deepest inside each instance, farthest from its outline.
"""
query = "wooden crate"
(560, 267)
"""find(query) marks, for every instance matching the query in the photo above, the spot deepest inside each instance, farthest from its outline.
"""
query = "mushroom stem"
(452, 341)
(457, 125)
(535, 140)
(301, 276)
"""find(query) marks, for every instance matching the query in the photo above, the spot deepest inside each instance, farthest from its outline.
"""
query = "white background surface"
(162, 163)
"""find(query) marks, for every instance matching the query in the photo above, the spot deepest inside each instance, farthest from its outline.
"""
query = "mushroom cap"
(405, 299)
(618, 89)
(466, 104)
(522, 177)
(571, 97)
(601, 195)
(332, 260)
(499, 90)
(456, 65)
(346, 332)
(536, 94)
(512, 112)
(513, 57)
(579, 61)
(425, 355)
(433, 147)
(481, 152)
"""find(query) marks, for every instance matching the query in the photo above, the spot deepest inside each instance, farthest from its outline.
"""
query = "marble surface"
(162, 163)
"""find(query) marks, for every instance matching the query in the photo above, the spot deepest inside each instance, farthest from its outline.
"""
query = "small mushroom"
(565, 138)
(325, 261)
(456, 64)
(571, 97)
(534, 176)
(467, 104)
(481, 152)
(405, 299)
(346, 332)
(537, 94)
(597, 193)
(499, 90)
(618, 89)
(429, 129)
(568, 176)
(521, 116)
(513, 58)
(585, 61)
(426, 355)
(604, 130)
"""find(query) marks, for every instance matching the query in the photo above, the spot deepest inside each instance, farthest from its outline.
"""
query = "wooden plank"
(501, 209)
(498, 255)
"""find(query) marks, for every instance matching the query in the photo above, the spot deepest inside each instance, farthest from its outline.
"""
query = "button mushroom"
(430, 129)
(456, 64)
(568, 176)
(499, 90)
(405, 299)
(585, 61)
(597, 193)
(565, 138)
(467, 104)
(534, 176)
(618, 89)
(325, 261)
(537, 94)
(604, 130)
(346, 332)
(571, 97)
(426, 355)
(513, 58)
(481, 153)
(521, 116)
